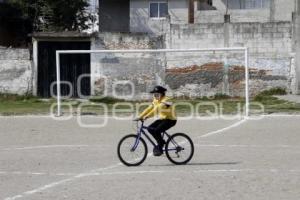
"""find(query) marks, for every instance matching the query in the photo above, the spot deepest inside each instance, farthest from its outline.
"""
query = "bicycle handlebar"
(138, 120)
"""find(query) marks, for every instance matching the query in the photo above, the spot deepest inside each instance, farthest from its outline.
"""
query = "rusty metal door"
(71, 67)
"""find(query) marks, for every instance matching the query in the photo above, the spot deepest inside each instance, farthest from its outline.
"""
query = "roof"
(65, 34)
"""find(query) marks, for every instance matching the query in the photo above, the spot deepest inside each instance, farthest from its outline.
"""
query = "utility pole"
(191, 12)
(297, 45)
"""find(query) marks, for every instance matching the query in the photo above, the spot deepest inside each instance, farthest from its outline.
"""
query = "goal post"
(244, 50)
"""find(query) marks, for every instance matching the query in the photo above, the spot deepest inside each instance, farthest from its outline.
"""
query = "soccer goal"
(194, 73)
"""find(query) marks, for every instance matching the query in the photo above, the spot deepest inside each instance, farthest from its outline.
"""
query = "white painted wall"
(15, 71)
(178, 11)
(141, 22)
(216, 16)
(282, 12)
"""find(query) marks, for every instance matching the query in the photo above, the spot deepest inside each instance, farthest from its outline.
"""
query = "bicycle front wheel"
(179, 149)
(131, 151)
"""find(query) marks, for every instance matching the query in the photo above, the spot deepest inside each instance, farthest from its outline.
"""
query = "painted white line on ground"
(25, 116)
(47, 147)
(52, 146)
(54, 184)
(196, 171)
(36, 173)
(199, 145)
(256, 170)
(63, 181)
(281, 115)
(143, 172)
(248, 170)
(223, 129)
(246, 146)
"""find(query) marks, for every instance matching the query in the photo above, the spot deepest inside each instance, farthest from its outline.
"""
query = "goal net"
(186, 73)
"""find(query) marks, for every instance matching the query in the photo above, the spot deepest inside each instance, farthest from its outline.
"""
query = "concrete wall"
(296, 89)
(115, 70)
(15, 71)
(178, 11)
(263, 39)
(217, 16)
(270, 48)
(196, 74)
(279, 10)
(283, 10)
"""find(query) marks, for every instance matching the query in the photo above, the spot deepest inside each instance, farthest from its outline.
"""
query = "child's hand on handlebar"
(139, 119)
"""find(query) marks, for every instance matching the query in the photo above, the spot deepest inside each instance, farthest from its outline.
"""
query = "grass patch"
(219, 104)
(273, 104)
(267, 94)
(266, 97)
(12, 104)
(203, 106)
(23, 106)
(15, 97)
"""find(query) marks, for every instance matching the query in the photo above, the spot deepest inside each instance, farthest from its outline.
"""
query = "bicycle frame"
(141, 131)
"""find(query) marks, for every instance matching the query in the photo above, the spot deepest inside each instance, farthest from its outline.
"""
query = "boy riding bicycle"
(161, 106)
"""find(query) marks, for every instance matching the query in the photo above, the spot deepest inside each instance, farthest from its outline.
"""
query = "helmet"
(158, 89)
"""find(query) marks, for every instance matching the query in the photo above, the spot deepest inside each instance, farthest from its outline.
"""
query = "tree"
(18, 18)
(14, 27)
(55, 15)
(67, 14)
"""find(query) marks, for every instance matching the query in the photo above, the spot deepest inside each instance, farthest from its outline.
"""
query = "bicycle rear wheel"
(131, 153)
(179, 149)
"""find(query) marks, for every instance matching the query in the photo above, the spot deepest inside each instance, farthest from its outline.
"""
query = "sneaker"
(157, 151)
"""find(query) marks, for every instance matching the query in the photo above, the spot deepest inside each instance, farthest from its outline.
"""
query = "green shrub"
(274, 91)
(219, 96)
(106, 100)
(266, 95)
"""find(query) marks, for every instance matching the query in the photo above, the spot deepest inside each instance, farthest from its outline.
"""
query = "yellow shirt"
(163, 108)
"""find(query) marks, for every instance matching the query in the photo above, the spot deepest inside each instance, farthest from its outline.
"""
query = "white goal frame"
(244, 49)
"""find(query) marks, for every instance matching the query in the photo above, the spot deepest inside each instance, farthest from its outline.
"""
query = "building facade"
(266, 27)
(269, 28)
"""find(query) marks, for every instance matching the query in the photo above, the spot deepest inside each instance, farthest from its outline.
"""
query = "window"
(247, 4)
(158, 9)
(205, 5)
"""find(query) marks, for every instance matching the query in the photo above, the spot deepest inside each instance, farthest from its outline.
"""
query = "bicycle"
(133, 150)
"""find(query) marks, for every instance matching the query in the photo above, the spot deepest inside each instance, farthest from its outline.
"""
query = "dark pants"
(159, 126)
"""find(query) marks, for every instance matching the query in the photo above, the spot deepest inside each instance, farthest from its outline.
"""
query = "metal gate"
(71, 67)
